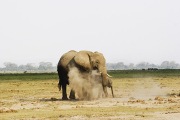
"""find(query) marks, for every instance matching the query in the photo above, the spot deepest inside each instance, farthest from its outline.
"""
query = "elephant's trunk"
(112, 91)
(103, 71)
(104, 79)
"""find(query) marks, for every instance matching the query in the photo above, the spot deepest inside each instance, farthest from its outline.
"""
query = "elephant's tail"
(59, 74)
(59, 86)
(62, 73)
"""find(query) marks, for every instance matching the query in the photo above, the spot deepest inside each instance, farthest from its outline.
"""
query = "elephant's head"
(93, 61)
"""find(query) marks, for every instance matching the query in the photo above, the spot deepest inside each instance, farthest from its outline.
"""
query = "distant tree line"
(143, 65)
(29, 67)
(48, 66)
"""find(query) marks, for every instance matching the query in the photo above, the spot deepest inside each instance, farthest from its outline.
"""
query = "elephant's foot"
(72, 95)
(64, 98)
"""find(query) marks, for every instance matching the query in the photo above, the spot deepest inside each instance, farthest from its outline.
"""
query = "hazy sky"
(129, 31)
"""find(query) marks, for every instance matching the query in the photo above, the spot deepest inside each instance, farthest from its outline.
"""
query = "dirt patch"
(7, 110)
(148, 88)
(136, 99)
(27, 105)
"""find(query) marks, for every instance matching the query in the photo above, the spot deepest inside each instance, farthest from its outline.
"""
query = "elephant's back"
(66, 58)
(82, 59)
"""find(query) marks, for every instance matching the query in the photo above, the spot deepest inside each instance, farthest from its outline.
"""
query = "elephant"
(85, 62)
(98, 79)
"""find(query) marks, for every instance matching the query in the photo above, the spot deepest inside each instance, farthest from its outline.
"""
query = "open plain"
(137, 97)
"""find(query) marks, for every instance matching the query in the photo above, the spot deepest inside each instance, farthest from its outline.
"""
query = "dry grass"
(135, 98)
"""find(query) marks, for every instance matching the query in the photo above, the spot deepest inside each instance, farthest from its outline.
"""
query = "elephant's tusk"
(109, 75)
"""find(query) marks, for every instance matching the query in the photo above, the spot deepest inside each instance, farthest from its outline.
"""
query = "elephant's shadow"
(47, 100)
(55, 99)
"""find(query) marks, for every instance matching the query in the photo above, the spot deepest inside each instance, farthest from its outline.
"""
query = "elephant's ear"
(82, 59)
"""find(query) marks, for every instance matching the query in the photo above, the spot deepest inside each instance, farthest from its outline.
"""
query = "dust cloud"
(147, 89)
(86, 86)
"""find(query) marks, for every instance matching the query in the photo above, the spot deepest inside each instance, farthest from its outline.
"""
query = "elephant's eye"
(97, 61)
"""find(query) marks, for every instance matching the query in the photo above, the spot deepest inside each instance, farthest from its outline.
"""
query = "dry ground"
(135, 99)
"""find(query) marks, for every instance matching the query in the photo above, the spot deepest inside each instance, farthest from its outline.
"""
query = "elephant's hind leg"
(64, 94)
(72, 95)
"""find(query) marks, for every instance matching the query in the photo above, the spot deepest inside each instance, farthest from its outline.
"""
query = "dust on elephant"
(84, 61)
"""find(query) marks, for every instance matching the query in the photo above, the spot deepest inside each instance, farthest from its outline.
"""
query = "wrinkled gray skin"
(85, 61)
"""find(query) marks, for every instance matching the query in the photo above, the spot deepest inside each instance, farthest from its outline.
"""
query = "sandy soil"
(135, 99)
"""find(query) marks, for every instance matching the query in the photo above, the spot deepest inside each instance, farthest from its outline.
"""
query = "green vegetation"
(144, 73)
(114, 73)
(28, 76)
